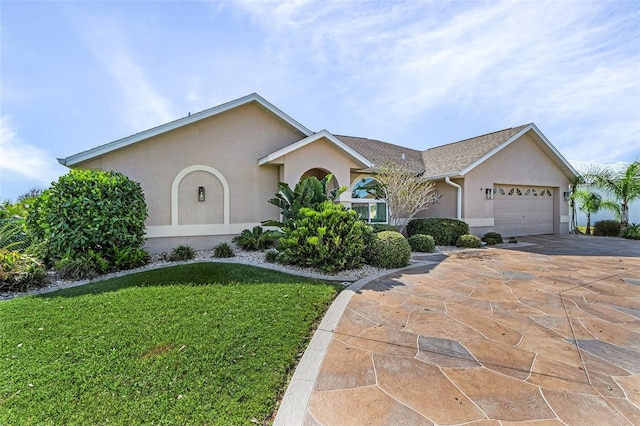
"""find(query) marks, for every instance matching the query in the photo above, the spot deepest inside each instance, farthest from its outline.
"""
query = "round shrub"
(379, 227)
(422, 243)
(469, 241)
(389, 250)
(223, 250)
(329, 237)
(444, 231)
(182, 252)
(606, 228)
(492, 238)
(89, 210)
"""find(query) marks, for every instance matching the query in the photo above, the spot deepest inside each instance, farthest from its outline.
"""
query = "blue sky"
(78, 74)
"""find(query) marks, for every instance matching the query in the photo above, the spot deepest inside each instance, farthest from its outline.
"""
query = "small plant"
(129, 258)
(469, 241)
(271, 256)
(379, 227)
(607, 228)
(84, 266)
(492, 238)
(20, 271)
(223, 250)
(512, 240)
(389, 250)
(255, 239)
(632, 232)
(444, 231)
(422, 243)
(182, 252)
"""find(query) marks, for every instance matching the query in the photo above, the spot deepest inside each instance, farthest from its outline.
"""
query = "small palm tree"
(592, 203)
(623, 185)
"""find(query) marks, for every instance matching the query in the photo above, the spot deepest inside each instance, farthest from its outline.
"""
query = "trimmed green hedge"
(445, 232)
(469, 241)
(389, 249)
(422, 243)
(492, 238)
(607, 228)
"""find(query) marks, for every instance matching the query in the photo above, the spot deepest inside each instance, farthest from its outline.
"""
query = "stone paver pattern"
(544, 335)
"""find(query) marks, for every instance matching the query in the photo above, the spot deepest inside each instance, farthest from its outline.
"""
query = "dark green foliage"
(256, 239)
(422, 243)
(330, 238)
(607, 228)
(129, 258)
(271, 256)
(309, 192)
(492, 238)
(444, 231)
(182, 252)
(513, 240)
(379, 227)
(89, 210)
(223, 250)
(632, 232)
(82, 266)
(469, 241)
(20, 271)
(389, 250)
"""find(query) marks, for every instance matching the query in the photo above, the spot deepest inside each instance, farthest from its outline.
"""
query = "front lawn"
(203, 343)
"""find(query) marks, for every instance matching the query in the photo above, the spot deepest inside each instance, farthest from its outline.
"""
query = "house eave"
(184, 121)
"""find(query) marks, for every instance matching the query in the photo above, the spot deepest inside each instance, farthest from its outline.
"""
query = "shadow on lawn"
(192, 274)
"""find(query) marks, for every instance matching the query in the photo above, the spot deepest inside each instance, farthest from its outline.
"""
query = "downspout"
(459, 206)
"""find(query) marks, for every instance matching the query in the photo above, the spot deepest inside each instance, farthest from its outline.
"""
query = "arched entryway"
(321, 174)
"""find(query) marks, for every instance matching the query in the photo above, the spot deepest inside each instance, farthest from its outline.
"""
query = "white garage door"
(523, 210)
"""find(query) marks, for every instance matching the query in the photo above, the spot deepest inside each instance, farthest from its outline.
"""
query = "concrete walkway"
(547, 334)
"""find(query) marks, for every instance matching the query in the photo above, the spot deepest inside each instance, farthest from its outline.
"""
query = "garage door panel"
(523, 210)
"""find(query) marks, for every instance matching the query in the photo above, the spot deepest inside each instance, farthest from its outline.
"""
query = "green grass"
(194, 344)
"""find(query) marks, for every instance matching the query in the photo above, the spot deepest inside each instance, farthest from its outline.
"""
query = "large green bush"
(422, 243)
(444, 231)
(389, 249)
(607, 228)
(89, 210)
(329, 237)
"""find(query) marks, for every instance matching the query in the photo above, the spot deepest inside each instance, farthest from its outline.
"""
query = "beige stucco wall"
(447, 201)
(231, 143)
(320, 154)
(522, 162)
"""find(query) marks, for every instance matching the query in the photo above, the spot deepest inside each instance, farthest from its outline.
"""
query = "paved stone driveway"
(548, 334)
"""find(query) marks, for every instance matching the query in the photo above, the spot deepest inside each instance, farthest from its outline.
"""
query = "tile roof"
(379, 152)
(457, 156)
(437, 161)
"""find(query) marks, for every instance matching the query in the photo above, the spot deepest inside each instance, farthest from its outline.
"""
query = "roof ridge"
(477, 137)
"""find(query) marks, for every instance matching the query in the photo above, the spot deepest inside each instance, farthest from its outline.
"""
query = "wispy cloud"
(556, 63)
(144, 106)
(21, 161)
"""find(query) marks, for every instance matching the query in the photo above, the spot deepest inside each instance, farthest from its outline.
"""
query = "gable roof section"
(459, 158)
(121, 143)
(310, 139)
(378, 152)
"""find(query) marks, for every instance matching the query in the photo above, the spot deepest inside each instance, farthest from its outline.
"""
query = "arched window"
(365, 202)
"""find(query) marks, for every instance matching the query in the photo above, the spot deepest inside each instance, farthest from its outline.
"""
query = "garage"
(523, 210)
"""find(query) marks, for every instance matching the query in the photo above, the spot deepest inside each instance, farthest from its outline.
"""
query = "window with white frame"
(363, 201)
